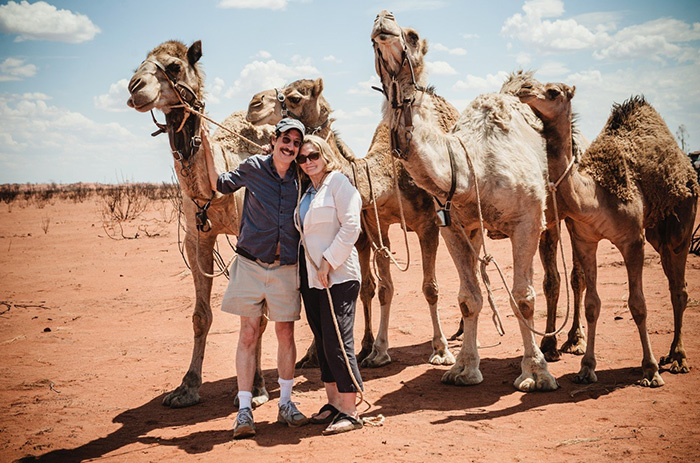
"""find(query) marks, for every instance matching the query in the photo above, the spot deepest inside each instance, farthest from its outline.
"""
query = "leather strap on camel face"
(287, 113)
(401, 105)
(183, 127)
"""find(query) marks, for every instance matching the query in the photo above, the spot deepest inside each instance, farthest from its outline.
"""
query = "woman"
(328, 217)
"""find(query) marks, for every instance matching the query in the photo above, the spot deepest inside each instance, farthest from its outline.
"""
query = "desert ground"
(94, 331)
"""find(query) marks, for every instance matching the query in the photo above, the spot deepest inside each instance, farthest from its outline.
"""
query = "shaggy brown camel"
(494, 152)
(633, 182)
(304, 100)
(169, 77)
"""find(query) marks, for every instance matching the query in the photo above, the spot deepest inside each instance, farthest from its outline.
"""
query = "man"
(264, 276)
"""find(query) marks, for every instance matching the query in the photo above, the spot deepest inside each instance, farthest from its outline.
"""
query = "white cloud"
(41, 21)
(214, 90)
(440, 68)
(255, 4)
(470, 36)
(13, 69)
(44, 142)
(264, 54)
(553, 69)
(657, 40)
(490, 83)
(451, 51)
(365, 87)
(259, 75)
(115, 99)
(523, 59)
(332, 59)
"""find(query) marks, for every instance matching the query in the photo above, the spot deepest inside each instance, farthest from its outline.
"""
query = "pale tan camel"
(169, 68)
(494, 147)
(304, 100)
(634, 181)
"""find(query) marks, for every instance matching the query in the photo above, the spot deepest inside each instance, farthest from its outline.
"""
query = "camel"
(633, 183)
(494, 150)
(304, 100)
(168, 77)
(576, 339)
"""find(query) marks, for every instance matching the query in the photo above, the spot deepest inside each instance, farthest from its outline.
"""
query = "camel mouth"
(143, 107)
(384, 36)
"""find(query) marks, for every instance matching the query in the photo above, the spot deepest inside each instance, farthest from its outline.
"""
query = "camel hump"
(240, 146)
(636, 151)
(494, 111)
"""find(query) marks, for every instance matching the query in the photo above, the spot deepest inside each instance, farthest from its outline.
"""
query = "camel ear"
(424, 47)
(194, 52)
(570, 91)
(318, 86)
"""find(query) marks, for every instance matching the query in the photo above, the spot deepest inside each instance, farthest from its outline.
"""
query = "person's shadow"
(424, 392)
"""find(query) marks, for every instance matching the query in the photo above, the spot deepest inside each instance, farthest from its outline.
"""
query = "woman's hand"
(323, 271)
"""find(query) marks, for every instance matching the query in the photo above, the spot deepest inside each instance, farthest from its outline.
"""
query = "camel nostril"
(135, 85)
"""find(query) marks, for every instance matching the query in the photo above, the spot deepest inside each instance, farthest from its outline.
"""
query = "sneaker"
(244, 427)
(289, 414)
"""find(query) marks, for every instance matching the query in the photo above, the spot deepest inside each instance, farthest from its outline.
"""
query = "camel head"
(302, 99)
(549, 101)
(169, 66)
(399, 52)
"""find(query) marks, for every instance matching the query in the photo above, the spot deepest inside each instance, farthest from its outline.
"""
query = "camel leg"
(367, 291)
(633, 254)
(380, 350)
(672, 240)
(466, 371)
(534, 374)
(551, 286)
(586, 255)
(429, 239)
(576, 339)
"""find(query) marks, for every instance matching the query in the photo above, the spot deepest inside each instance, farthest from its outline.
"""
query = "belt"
(249, 256)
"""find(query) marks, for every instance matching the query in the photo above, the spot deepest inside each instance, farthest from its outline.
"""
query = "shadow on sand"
(424, 392)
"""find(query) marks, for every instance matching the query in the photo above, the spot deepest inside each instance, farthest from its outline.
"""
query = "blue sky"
(64, 66)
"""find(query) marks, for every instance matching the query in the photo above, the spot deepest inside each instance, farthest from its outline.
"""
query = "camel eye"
(552, 93)
(174, 68)
(294, 99)
(412, 36)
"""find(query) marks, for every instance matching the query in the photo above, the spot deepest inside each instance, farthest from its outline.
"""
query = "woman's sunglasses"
(301, 159)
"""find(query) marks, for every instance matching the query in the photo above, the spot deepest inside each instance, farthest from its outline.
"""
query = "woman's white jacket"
(331, 227)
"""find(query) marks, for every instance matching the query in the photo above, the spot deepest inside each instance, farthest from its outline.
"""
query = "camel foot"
(364, 353)
(575, 345)
(310, 360)
(183, 396)
(585, 376)
(535, 376)
(442, 357)
(548, 346)
(653, 380)
(376, 359)
(677, 363)
(460, 375)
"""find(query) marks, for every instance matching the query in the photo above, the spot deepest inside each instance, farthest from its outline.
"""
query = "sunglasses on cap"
(301, 159)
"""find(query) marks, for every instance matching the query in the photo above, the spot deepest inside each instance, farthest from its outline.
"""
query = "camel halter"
(400, 105)
(287, 113)
(373, 421)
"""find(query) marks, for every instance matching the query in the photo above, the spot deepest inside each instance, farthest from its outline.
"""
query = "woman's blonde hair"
(324, 149)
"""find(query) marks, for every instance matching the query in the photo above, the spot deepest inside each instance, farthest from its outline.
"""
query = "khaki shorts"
(257, 289)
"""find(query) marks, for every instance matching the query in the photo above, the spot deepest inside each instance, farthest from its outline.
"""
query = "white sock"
(245, 399)
(285, 390)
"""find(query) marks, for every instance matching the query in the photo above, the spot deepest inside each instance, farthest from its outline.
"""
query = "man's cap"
(289, 123)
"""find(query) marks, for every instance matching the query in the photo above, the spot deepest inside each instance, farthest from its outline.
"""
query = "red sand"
(94, 331)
